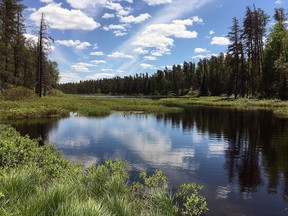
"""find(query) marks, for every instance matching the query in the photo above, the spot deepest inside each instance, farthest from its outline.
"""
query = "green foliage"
(193, 203)
(16, 150)
(38, 181)
(19, 93)
(56, 93)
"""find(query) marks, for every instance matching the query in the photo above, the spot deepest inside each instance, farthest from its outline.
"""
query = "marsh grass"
(62, 105)
(279, 108)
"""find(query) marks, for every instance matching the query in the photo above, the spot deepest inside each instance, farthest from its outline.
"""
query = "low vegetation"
(38, 181)
(62, 105)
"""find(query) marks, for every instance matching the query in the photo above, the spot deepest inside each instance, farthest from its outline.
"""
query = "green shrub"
(56, 93)
(19, 93)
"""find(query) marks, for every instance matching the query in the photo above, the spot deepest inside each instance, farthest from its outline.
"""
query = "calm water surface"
(241, 157)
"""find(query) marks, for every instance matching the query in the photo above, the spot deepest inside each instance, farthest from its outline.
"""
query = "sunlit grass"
(58, 106)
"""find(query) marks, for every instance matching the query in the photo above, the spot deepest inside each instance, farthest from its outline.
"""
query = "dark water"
(241, 157)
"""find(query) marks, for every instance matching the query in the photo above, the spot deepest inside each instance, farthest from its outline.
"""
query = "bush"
(19, 93)
(56, 93)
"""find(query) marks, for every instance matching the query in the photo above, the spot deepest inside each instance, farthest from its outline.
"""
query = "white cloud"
(98, 62)
(82, 67)
(98, 76)
(159, 36)
(279, 2)
(211, 32)
(132, 19)
(63, 19)
(106, 69)
(147, 66)
(150, 58)
(46, 1)
(118, 30)
(85, 3)
(204, 56)
(201, 50)
(69, 77)
(140, 50)
(119, 33)
(113, 6)
(108, 16)
(120, 11)
(114, 27)
(99, 53)
(120, 55)
(71, 43)
(157, 2)
(31, 9)
(31, 37)
(222, 41)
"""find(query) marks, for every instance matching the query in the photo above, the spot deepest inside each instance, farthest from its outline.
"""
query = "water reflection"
(239, 156)
(256, 140)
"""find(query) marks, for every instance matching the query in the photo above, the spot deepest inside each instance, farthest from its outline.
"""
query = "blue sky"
(96, 39)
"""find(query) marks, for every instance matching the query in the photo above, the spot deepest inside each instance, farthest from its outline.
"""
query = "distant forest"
(24, 62)
(255, 65)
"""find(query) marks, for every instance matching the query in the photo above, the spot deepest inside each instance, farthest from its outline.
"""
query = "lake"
(240, 157)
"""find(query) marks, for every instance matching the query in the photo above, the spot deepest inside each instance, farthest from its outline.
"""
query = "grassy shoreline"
(37, 180)
(52, 106)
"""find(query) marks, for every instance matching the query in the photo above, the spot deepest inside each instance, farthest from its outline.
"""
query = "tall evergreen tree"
(234, 49)
(276, 58)
(254, 30)
(11, 38)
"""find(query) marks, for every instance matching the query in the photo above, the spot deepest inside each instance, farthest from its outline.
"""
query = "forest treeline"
(24, 61)
(255, 65)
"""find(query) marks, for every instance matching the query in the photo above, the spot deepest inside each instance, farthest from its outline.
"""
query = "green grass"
(279, 108)
(38, 181)
(58, 106)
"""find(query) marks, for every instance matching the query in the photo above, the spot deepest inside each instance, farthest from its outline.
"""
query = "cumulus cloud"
(106, 69)
(201, 50)
(98, 62)
(98, 76)
(108, 16)
(140, 50)
(64, 19)
(211, 32)
(46, 1)
(147, 66)
(31, 37)
(34, 40)
(69, 77)
(120, 11)
(82, 67)
(133, 19)
(114, 27)
(97, 53)
(85, 3)
(159, 36)
(150, 58)
(201, 56)
(157, 2)
(120, 55)
(76, 44)
(222, 41)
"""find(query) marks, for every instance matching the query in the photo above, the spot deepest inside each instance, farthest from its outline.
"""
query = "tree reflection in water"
(257, 143)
